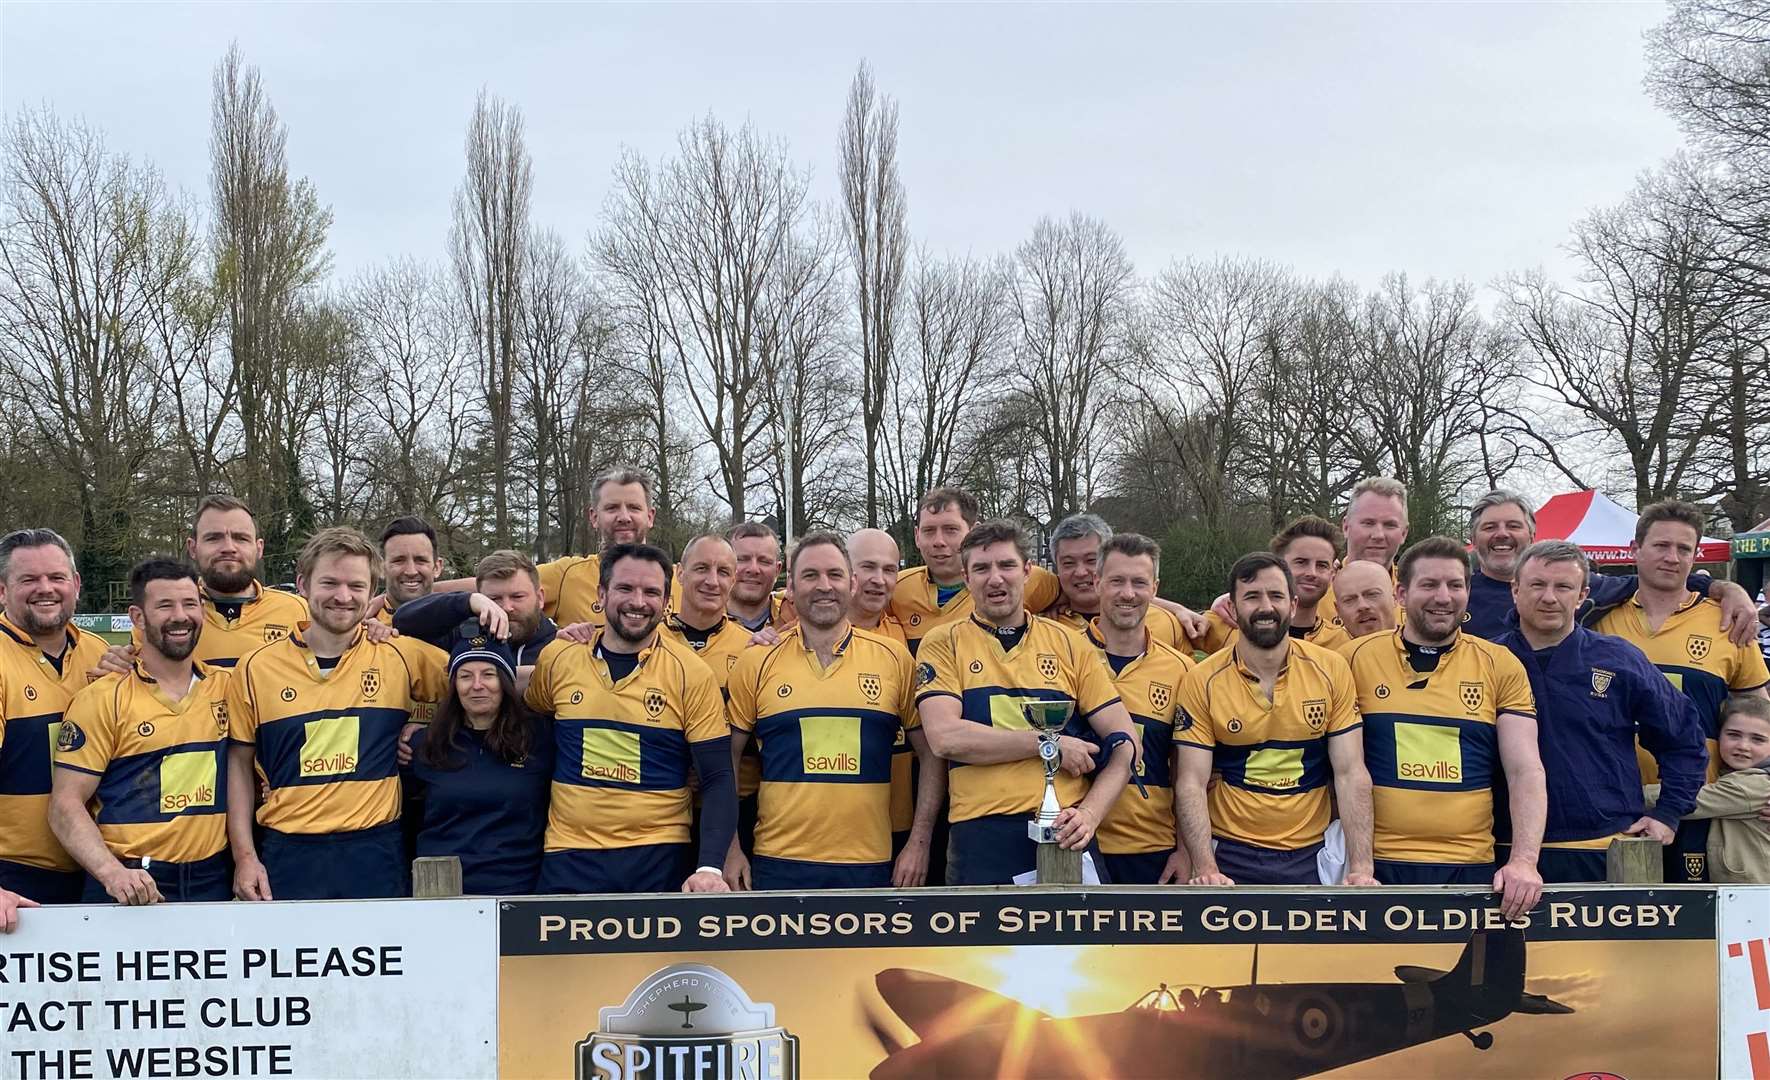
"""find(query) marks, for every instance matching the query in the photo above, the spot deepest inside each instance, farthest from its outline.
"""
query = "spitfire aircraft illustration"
(1256, 1030)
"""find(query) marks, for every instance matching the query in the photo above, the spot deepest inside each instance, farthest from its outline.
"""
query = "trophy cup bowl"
(1048, 719)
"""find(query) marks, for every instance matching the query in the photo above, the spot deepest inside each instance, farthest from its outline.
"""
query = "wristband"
(708, 870)
(1112, 743)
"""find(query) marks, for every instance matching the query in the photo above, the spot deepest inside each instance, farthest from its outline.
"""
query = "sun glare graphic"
(1044, 977)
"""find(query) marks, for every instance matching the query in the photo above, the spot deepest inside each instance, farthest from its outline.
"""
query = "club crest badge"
(1697, 646)
(870, 688)
(1601, 682)
(1048, 666)
(654, 703)
(1315, 714)
(371, 682)
(275, 632)
(1472, 694)
(1160, 694)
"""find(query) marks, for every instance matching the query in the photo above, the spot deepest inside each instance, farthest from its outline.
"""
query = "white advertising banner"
(370, 989)
(1744, 935)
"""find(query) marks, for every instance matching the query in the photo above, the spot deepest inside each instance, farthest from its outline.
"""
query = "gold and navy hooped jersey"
(1431, 742)
(1692, 652)
(1161, 624)
(1271, 757)
(1220, 635)
(965, 660)
(267, 615)
(826, 736)
(326, 740)
(1149, 686)
(161, 764)
(620, 776)
(903, 783)
(720, 653)
(33, 696)
(570, 590)
(916, 604)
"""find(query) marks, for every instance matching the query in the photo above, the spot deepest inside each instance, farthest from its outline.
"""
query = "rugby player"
(974, 675)
(1275, 718)
(147, 752)
(320, 713)
(826, 704)
(44, 661)
(1077, 549)
(1311, 547)
(1441, 709)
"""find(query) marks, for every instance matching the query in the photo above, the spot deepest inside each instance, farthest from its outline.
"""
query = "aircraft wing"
(925, 1002)
(1408, 973)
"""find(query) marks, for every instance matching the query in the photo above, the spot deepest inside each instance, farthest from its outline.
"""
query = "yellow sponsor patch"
(831, 745)
(187, 780)
(331, 746)
(1007, 714)
(611, 755)
(1276, 767)
(1676, 678)
(1428, 753)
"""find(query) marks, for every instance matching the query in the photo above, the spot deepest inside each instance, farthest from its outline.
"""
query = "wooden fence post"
(436, 875)
(1635, 860)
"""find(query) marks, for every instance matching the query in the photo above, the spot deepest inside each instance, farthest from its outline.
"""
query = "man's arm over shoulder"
(433, 618)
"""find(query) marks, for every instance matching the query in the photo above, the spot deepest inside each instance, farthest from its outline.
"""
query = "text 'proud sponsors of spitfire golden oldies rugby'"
(1131, 982)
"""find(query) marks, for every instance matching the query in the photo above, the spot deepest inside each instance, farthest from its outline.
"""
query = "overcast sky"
(1446, 140)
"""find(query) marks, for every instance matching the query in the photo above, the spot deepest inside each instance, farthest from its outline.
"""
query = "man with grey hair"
(1078, 544)
(1594, 694)
(1503, 523)
(44, 661)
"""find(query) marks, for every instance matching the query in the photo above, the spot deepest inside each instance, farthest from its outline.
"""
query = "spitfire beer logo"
(275, 632)
(1048, 666)
(1160, 694)
(654, 703)
(870, 688)
(1697, 646)
(1315, 714)
(1601, 682)
(688, 1022)
(219, 711)
(371, 682)
(924, 674)
(1471, 693)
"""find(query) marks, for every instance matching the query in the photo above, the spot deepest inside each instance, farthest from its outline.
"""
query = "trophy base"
(1041, 834)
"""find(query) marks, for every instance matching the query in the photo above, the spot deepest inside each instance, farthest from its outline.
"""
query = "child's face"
(1744, 741)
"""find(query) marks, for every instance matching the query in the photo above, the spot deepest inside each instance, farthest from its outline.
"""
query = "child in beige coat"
(1739, 841)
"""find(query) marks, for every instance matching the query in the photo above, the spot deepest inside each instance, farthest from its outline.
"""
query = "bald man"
(1366, 598)
(876, 562)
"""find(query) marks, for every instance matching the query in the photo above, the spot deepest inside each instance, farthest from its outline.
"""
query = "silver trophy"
(1048, 718)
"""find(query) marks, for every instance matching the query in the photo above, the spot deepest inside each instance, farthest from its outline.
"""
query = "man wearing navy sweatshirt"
(1502, 524)
(1594, 695)
(506, 603)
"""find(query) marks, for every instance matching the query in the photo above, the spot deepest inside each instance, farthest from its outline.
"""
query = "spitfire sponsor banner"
(374, 989)
(1745, 983)
(1125, 982)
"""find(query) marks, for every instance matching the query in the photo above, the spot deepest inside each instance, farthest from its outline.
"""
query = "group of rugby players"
(1354, 710)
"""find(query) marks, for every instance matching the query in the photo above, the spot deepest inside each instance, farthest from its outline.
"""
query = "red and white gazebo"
(1603, 529)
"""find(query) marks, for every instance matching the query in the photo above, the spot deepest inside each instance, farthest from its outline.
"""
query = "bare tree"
(1072, 303)
(270, 251)
(959, 333)
(490, 235)
(92, 253)
(873, 198)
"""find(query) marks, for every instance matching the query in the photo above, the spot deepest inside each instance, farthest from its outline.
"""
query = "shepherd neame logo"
(688, 1022)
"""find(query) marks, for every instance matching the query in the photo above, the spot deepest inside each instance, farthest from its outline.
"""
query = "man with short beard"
(507, 603)
(1502, 524)
(634, 710)
(1275, 720)
(320, 713)
(1311, 547)
(240, 614)
(1441, 708)
(408, 550)
(976, 674)
(1366, 598)
(44, 661)
(148, 751)
(826, 703)
(1139, 837)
